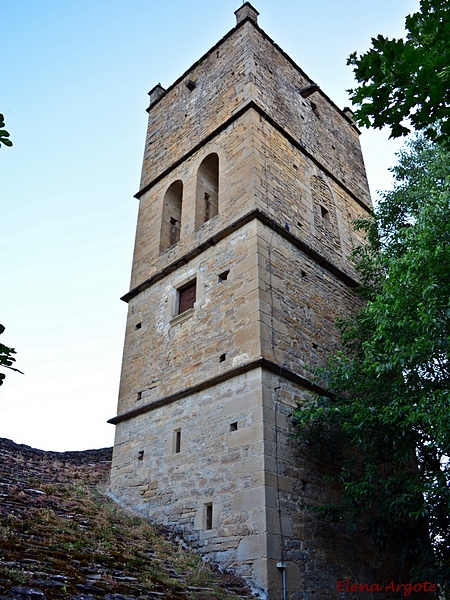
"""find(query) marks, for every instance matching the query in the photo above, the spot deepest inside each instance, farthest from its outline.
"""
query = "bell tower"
(251, 179)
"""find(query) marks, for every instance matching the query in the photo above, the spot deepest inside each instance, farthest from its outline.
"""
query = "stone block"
(245, 436)
(252, 547)
(248, 499)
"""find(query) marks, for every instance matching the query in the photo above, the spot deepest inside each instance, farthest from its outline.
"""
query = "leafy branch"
(4, 135)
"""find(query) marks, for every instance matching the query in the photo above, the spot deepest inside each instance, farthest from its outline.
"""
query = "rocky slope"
(61, 537)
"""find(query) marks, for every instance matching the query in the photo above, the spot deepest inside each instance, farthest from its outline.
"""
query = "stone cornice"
(260, 363)
(298, 145)
(212, 241)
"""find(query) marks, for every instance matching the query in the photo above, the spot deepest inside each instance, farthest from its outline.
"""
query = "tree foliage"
(6, 357)
(6, 353)
(408, 80)
(389, 404)
(4, 135)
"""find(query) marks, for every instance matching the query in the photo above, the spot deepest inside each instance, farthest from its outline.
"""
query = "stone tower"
(250, 182)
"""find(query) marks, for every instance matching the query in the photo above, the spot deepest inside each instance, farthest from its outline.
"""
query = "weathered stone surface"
(22, 592)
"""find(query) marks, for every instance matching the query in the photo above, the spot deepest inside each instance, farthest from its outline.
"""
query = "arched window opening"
(325, 217)
(171, 219)
(207, 201)
(323, 200)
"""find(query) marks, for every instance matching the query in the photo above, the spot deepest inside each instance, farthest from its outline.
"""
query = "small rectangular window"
(177, 441)
(209, 516)
(187, 296)
(315, 109)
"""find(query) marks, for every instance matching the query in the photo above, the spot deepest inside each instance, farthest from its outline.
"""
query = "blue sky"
(75, 77)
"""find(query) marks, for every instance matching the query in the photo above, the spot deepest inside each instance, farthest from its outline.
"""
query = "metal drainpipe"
(282, 566)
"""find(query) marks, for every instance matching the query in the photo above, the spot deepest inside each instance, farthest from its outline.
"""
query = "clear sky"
(74, 81)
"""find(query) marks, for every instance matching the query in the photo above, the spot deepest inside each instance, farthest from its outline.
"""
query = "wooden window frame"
(187, 296)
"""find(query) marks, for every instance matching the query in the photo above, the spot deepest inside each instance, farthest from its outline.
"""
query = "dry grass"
(60, 534)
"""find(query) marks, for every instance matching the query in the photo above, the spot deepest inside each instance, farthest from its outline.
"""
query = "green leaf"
(406, 80)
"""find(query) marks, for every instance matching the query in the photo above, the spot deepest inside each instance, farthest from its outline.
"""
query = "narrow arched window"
(171, 218)
(325, 217)
(207, 199)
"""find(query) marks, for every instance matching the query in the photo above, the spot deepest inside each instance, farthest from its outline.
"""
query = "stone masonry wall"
(258, 169)
(236, 189)
(300, 303)
(230, 326)
(163, 355)
(221, 461)
(247, 66)
(318, 553)
(291, 188)
(184, 117)
(315, 122)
